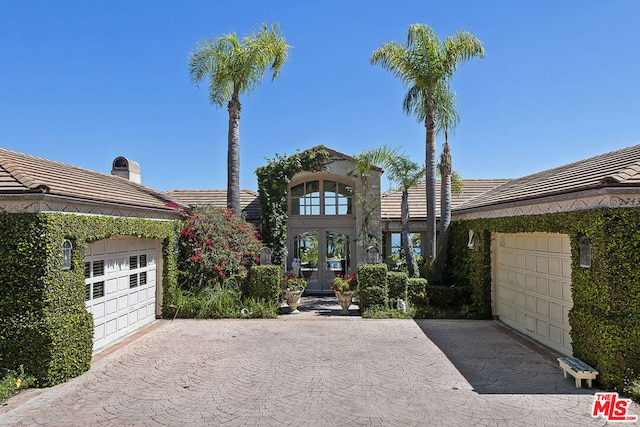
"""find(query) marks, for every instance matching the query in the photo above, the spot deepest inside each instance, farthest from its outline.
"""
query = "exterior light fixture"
(265, 256)
(474, 240)
(67, 247)
(585, 252)
(373, 255)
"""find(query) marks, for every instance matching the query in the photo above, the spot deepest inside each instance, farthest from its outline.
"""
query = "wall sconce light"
(585, 252)
(67, 247)
(474, 240)
(265, 256)
(373, 255)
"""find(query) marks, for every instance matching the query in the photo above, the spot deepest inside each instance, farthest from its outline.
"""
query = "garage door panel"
(542, 263)
(542, 286)
(555, 312)
(530, 323)
(556, 335)
(542, 330)
(133, 318)
(541, 244)
(555, 244)
(111, 327)
(566, 293)
(98, 332)
(98, 311)
(542, 307)
(111, 306)
(530, 263)
(566, 269)
(120, 290)
(555, 289)
(520, 300)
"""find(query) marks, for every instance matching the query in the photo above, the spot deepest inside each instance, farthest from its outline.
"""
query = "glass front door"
(319, 256)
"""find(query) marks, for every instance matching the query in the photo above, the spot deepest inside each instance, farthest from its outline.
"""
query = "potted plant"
(293, 287)
(344, 288)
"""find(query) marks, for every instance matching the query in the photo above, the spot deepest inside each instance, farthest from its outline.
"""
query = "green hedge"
(45, 326)
(398, 285)
(373, 290)
(417, 291)
(605, 318)
(263, 282)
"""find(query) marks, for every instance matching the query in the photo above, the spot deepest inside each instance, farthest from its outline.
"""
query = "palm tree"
(424, 64)
(234, 67)
(403, 174)
(447, 118)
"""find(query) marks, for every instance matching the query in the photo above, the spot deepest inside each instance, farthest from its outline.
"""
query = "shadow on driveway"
(496, 361)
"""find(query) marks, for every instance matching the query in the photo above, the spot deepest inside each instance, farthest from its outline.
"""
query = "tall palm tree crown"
(425, 65)
(234, 67)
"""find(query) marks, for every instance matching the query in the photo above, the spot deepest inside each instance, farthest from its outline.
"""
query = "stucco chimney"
(127, 169)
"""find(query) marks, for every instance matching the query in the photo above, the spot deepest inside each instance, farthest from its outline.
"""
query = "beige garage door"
(120, 287)
(532, 284)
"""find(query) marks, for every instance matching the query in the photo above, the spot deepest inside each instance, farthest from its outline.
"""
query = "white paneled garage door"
(120, 287)
(532, 273)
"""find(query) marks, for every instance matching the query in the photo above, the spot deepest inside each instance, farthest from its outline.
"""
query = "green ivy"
(605, 317)
(273, 183)
(45, 326)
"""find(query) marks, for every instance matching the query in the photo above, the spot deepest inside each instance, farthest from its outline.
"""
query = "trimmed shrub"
(372, 286)
(264, 283)
(417, 291)
(398, 284)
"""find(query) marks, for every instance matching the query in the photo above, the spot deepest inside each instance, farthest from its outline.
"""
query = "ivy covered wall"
(605, 318)
(44, 324)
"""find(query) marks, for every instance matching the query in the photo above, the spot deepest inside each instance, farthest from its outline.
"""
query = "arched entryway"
(321, 230)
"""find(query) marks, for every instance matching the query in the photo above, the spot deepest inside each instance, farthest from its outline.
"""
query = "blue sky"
(83, 82)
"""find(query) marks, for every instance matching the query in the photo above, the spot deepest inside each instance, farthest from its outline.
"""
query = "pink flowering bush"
(215, 244)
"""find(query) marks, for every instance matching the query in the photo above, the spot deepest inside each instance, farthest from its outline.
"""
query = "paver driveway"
(315, 370)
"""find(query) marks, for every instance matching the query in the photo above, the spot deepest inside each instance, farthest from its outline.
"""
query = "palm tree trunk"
(430, 163)
(405, 237)
(233, 156)
(445, 210)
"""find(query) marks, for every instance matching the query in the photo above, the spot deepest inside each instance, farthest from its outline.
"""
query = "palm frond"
(237, 66)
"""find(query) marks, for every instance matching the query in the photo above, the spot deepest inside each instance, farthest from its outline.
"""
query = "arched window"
(321, 197)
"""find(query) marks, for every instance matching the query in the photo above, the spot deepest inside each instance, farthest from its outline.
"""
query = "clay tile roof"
(23, 174)
(619, 168)
(248, 200)
(390, 201)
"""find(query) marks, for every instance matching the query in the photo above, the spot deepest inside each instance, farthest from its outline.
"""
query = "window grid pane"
(98, 268)
(98, 290)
